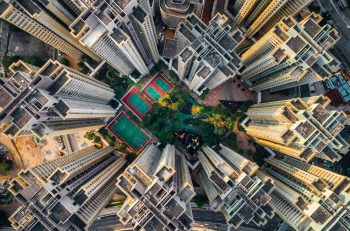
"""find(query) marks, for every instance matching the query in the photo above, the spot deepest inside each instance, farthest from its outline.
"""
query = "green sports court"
(127, 131)
(157, 87)
(137, 102)
(153, 93)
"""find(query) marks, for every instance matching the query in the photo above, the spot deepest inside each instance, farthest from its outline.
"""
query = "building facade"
(52, 100)
(159, 189)
(122, 33)
(174, 11)
(308, 197)
(291, 54)
(67, 193)
(301, 128)
(233, 188)
(207, 55)
(260, 16)
(48, 22)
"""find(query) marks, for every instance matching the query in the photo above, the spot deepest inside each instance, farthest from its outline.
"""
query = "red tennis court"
(157, 87)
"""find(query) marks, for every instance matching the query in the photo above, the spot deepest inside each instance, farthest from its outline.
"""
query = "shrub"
(6, 165)
(8, 60)
(64, 61)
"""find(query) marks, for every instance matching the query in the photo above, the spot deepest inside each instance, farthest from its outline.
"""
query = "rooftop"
(312, 28)
(118, 36)
(227, 42)
(122, 3)
(59, 213)
(20, 117)
(305, 129)
(213, 58)
(204, 72)
(169, 50)
(320, 114)
(5, 98)
(296, 44)
(187, 33)
(140, 14)
(185, 54)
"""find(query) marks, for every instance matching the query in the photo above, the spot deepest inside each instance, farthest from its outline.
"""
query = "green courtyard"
(177, 112)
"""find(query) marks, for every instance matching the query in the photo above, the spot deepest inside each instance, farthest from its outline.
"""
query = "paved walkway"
(231, 90)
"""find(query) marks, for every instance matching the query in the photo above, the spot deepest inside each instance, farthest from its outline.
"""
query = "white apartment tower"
(121, 32)
(301, 128)
(159, 189)
(233, 188)
(308, 197)
(259, 16)
(67, 193)
(52, 100)
(175, 11)
(207, 55)
(47, 21)
(291, 54)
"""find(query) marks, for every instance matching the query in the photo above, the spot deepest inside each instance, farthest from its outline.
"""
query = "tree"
(89, 135)
(96, 139)
(121, 147)
(200, 201)
(196, 109)
(135, 75)
(64, 61)
(8, 60)
(6, 165)
(34, 60)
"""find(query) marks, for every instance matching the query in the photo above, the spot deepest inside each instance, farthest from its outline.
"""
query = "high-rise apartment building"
(78, 6)
(301, 128)
(67, 193)
(53, 99)
(261, 16)
(47, 21)
(233, 188)
(121, 32)
(175, 11)
(308, 197)
(291, 54)
(207, 55)
(159, 189)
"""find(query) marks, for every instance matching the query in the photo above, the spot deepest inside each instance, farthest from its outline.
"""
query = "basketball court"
(137, 103)
(128, 132)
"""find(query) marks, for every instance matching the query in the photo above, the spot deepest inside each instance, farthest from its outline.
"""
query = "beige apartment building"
(291, 54)
(159, 189)
(308, 197)
(67, 193)
(233, 188)
(52, 100)
(260, 16)
(300, 128)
